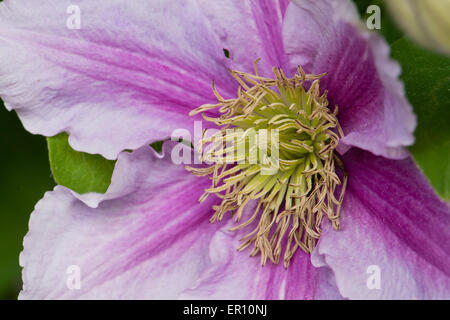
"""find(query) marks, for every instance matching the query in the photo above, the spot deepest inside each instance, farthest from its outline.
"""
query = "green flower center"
(275, 155)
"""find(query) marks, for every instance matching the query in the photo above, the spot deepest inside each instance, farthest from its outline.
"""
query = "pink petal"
(391, 219)
(250, 30)
(130, 75)
(148, 238)
(150, 243)
(324, 36)
(236, 275)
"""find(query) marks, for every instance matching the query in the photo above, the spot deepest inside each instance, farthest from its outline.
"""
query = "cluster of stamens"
(288, 186)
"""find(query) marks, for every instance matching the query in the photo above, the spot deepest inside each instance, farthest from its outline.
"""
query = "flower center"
(282, 191)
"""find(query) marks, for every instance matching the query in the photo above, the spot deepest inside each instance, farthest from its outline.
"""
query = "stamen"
(293, 186)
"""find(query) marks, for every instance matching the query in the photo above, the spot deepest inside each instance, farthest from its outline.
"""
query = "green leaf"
(427, 81)
(81, 172)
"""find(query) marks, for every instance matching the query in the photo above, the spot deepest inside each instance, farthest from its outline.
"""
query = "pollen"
(272, 162)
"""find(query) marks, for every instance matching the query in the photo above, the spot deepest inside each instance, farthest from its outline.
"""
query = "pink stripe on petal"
(236, 275)
(250, 30)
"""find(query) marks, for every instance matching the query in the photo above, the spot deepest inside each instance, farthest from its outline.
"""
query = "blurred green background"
(25, 176)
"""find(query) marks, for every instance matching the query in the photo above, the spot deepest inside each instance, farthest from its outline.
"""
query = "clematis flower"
(134, 72)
